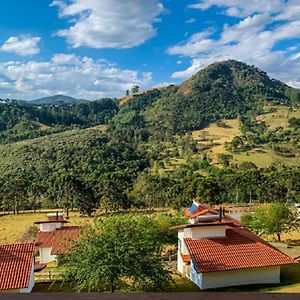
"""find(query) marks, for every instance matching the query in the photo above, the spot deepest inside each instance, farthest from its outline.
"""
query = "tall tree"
(274, 219)
(116, 250)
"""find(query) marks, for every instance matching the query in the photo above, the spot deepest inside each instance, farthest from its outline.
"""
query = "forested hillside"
(223, 90)
(19, 121)
(159, 148)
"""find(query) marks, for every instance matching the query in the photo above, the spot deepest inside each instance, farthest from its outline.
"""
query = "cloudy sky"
(98, 48)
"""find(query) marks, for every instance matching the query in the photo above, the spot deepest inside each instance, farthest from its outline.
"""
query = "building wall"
(269, 275)
(50, 227)
(207, 232)
(46, 256)
(180, 263)
(181, 244)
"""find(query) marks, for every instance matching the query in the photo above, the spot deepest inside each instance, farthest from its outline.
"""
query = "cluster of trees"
(274, 219)
(87, 169)
(284, 141)
(82, 168)
(122, 252)
(19, 121)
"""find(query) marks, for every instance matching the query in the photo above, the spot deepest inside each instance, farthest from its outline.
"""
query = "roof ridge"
(17, 243)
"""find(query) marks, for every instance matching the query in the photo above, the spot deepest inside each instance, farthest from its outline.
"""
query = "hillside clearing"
(280, 117)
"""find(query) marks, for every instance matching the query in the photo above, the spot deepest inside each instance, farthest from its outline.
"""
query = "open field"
(214, 138)
(12, 227)
(279, 118)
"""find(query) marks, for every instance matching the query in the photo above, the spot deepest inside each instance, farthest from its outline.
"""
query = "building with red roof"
(54, 238)
(17, 267)
(217, 251)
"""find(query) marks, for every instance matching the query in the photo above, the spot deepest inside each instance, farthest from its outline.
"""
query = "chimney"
(220, 213)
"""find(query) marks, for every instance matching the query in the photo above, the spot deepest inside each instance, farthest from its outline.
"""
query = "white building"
(215, 252)
(54, 238)
(17, 268)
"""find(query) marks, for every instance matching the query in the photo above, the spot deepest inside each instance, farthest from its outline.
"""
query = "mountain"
(151, 149)
(225, 89)
(57, 99)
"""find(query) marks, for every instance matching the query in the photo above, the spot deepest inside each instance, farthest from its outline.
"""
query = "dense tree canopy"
(118, 251)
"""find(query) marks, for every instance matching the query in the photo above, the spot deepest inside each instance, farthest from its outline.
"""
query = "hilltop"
(56, 99)
(222, 90)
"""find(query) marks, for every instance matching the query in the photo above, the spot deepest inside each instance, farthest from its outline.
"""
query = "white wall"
(180, 262)
(269, 275)
(31, 281)
(50, 227)
(207, 232)
(45, 255)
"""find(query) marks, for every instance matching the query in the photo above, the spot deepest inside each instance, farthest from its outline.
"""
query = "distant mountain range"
(56, 99)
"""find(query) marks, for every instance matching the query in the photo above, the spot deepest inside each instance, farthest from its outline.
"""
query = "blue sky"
(99, 48)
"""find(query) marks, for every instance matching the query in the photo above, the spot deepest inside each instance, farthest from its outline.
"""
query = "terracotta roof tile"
(63, 239)
(240, 249)
(15, 265)
(44, 239)
(200, 213)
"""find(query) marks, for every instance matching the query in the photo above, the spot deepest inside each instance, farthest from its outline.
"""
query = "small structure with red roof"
(216, 251)
(54, 238)
(17, 267)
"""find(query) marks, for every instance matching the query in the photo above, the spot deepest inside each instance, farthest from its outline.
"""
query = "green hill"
(223, 90)
(56, 99)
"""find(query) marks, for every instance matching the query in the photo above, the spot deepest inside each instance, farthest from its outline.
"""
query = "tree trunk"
(278, 237)
(112, 285)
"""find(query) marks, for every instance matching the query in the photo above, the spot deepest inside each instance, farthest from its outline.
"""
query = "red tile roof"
(15, 265)
(205, 209)
(63, 239)
(59, 240)
(44, 239)
(240, 249)
(200, 213)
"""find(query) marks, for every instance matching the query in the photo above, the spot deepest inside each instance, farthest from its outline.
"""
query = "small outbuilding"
(54, 238)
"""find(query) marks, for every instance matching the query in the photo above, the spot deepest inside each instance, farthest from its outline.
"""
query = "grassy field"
(12, 227)
(280, 117)
(215, 137)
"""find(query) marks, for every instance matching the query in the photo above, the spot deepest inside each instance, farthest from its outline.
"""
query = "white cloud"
(242, 8)
(24, 45)
(109, 23)
(254, 39)
(80, 77)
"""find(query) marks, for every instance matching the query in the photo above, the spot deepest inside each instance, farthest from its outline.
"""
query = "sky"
(90, 49)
